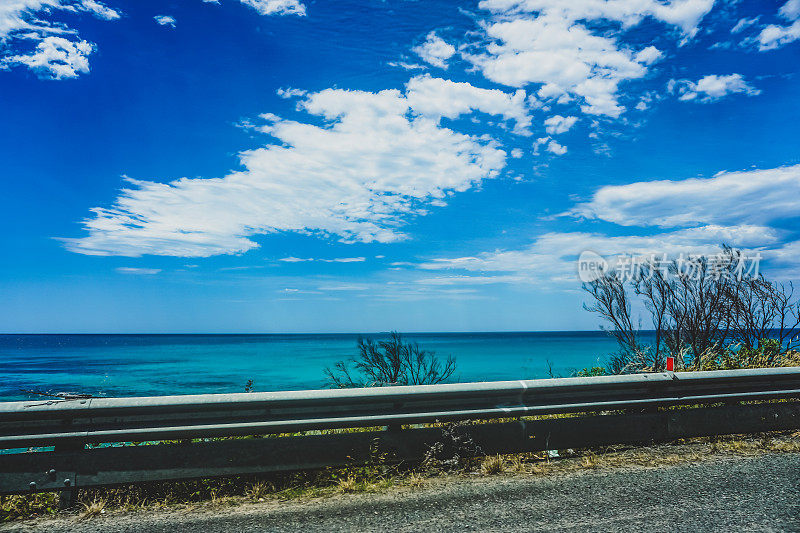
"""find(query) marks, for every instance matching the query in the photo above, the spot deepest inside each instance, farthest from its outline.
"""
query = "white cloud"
(138, 271)
(711, 88)
(435, 97)
(277, 7)
(560, 45)
(558, 124)
(344, 287)
(406, 66)
(790, 10)
(734, 208)
(552, 256)
(556, 148)
(334, 260)
(745, 197)
(51, 49)
(99, 10)
(774, 36)
(56, 58)
(164, 20)
(374, 163)
(647, 99)
(291, 93)
(549, 144)
(648, 55)
(435, 50)
(744, 24)
(344, 260)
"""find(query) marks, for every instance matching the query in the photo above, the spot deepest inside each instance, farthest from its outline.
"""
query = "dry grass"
(348, 484)
(94, 508)
(414, 479)
(590, 460)
(517, 463)
(259, 490)
(492, 465)
(379, 477)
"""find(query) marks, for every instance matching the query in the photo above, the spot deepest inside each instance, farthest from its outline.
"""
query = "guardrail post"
(68, 497)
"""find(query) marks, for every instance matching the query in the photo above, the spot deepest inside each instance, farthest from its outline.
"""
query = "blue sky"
(304, 166)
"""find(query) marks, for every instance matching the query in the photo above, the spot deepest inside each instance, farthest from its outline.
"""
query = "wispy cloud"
(344, 260)
(380, 159)
(741, 209)
(757, 196)
(277, 7)
(138, 271)
(334, 260)
(344, 287)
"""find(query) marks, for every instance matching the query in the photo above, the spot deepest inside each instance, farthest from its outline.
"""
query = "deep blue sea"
(145, 365)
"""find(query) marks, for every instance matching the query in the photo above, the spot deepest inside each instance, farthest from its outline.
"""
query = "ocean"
(154, 365)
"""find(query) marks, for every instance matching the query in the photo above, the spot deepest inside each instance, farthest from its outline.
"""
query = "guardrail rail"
(614, 409)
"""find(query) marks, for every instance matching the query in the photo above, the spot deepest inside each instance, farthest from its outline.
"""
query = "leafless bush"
(390, 362)
(699, 309)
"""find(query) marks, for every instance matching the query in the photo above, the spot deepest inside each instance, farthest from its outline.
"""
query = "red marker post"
(670, 364)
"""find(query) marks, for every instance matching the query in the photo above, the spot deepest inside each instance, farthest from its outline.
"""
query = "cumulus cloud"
(372, 164)
(56, 58)
(435, 51)
(555, 148)
(559, 46)
(790, 10)
(775, 36)
(558, 124)
(436, 97)
(549, 144)
(277, 7)
(52, 50)
(750, 197)
(164, 20)
(711, 88)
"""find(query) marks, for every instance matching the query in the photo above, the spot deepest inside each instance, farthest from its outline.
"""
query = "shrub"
(390, 362)
(704, 312)
(591, 372)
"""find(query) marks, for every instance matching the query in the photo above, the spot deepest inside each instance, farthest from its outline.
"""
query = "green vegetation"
(591, 372)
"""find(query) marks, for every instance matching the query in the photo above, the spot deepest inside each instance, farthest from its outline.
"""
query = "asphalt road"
(745, 494)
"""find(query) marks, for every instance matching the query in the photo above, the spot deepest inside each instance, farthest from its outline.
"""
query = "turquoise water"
(143, 365)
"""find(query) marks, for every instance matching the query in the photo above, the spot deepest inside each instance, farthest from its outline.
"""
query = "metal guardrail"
(71, 424)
